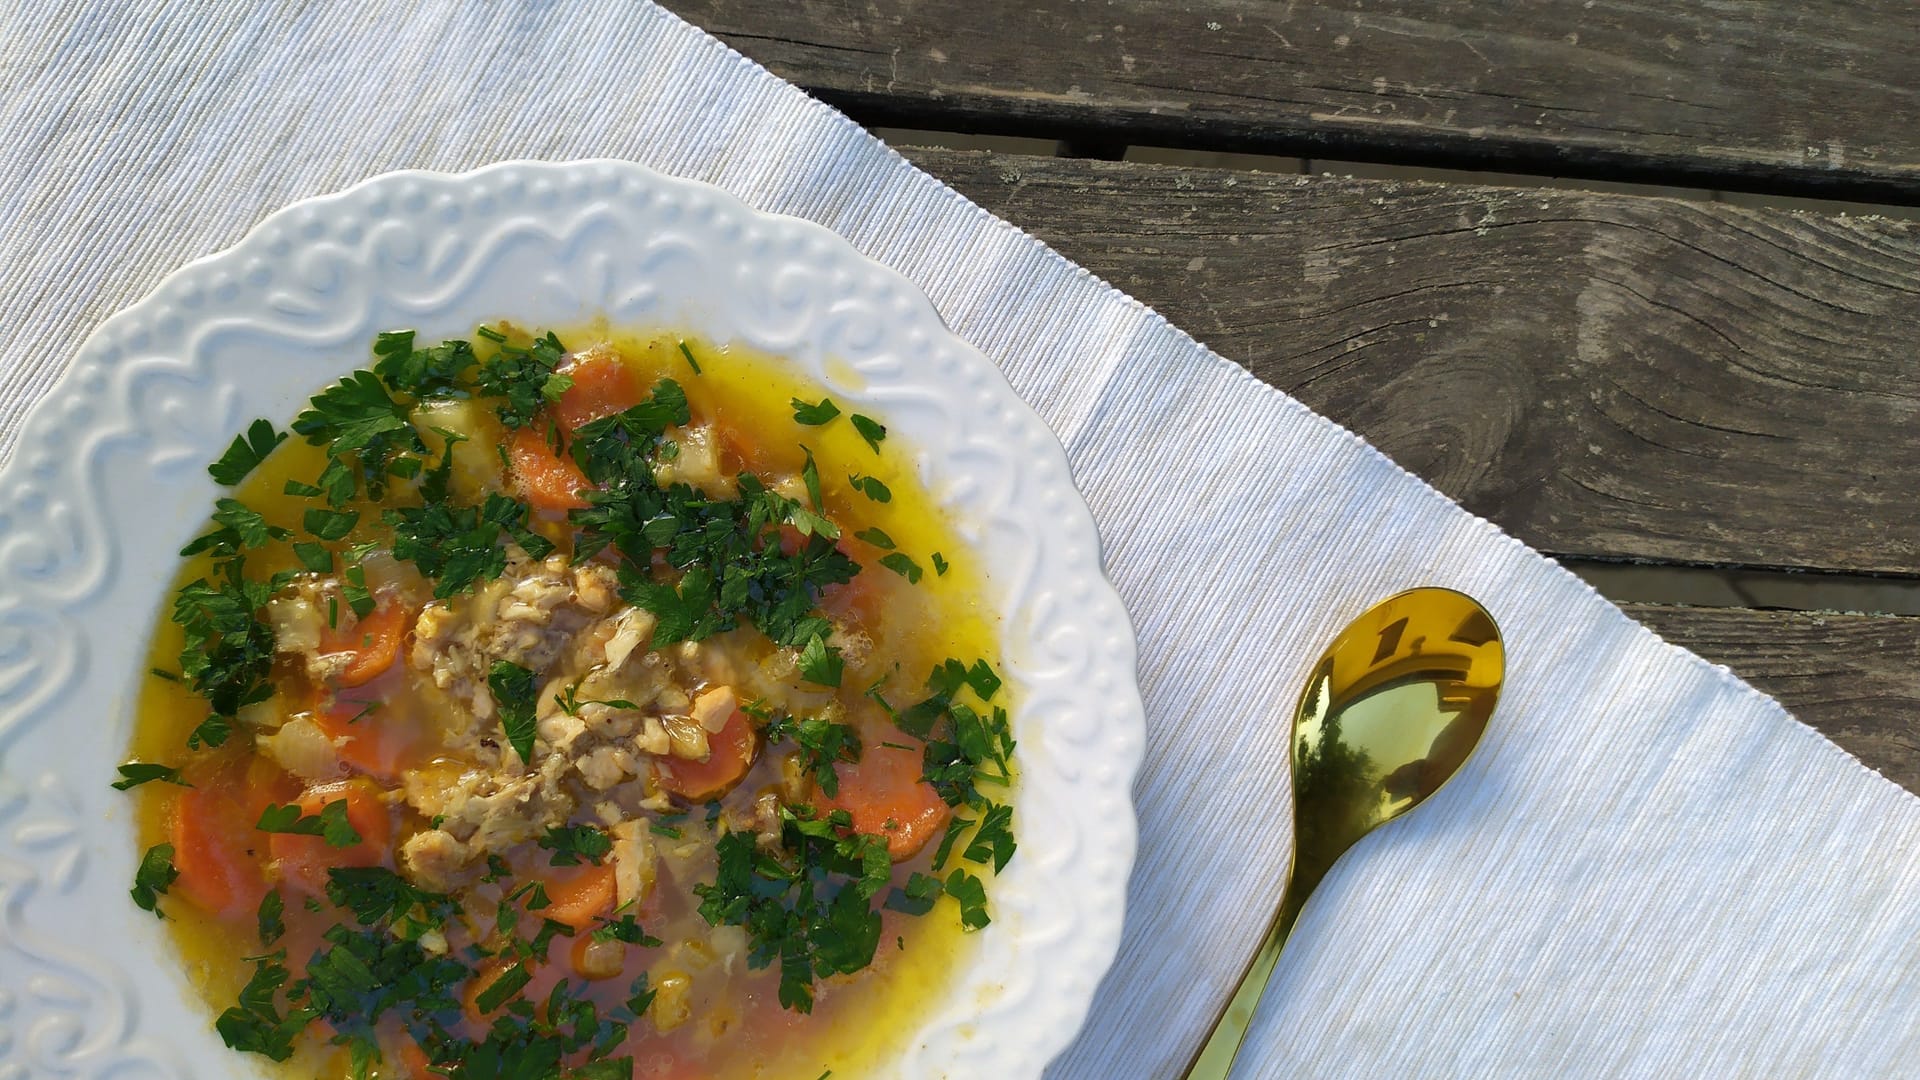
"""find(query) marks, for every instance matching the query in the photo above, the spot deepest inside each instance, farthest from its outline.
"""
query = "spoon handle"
(1223, 1045)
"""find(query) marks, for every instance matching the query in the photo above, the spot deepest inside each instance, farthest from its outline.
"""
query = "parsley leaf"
(226, 654)
(871, 430)
(917, 896)
(269, 917)
(814, 415)
(972, 895)
(330, 524)
(640, 998)
(314, 557)
(524, 377)
(135, 773)
(330, 824)
(153, 877)
(510, 982)
(240, 528)
(939, 565)
(625, 929)
(871, 487)
(572, 844)
(421, 373)
(515, 691)
(900, 563)
(363, 427)
(993, 840)
(875, 537)
(821, 743)
(820, 663)
(462, 545)
(247, 451)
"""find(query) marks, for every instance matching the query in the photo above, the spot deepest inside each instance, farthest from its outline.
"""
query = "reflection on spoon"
(1392, 709)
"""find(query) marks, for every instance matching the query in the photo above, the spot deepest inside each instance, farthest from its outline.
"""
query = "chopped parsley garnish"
(247, 451)
(330, 524)
(135, 773)
(875, 537)
(821, 743)
(900, 563)
(364, 430)
(691, 362)
(625, 929)
(939, 565)
(241, 527)
(524, 378)
(811, 911)
(330, 824)
(820, 663)
(993, 840)
(421, 373)
(871, 430)
(573, 844)
(972, 896)
(816, 414)
(153, 877)
(460, 546)
(515, 690)
(315, 557)
(871, 487)
(270, 917)
(227, 654)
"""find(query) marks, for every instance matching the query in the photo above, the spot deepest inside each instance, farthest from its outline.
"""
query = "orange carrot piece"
(886, 797)
(303, 861)
(545, 479)
(373, 641)
(602, 385)
(413, 1061)
(362, 736)
(730, 755)
(213, 840)
(579, 897)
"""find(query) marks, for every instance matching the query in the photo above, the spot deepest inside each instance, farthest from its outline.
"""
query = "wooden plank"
(1856, 678)
(1806, 97)
(1606, 376)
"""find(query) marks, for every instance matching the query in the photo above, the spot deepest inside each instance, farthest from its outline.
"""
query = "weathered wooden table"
(1630, 382)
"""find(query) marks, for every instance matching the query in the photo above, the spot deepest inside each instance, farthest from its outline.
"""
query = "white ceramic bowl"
(109, 481)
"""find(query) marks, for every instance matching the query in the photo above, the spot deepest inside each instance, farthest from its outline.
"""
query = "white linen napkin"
(1649, 869)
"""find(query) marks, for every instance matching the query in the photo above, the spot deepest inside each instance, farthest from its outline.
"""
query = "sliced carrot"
(886, 797)
(579, 897)
(602, 385)
(214, 850)
(739, 451)
(364, 735)
(373, 642)
(413, 1061)
(303, 861)
(545, 479)
(730, 755)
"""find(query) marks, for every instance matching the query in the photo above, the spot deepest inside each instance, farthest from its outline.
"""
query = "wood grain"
(1606, 376)
(1806, 97)
(1856, 678)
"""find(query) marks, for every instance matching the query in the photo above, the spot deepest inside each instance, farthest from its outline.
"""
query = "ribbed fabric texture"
(1648, 870)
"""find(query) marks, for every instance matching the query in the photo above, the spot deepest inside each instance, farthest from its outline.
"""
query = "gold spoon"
(1393, 708)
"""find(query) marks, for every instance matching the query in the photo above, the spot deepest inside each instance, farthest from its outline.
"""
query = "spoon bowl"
(1391, 711)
